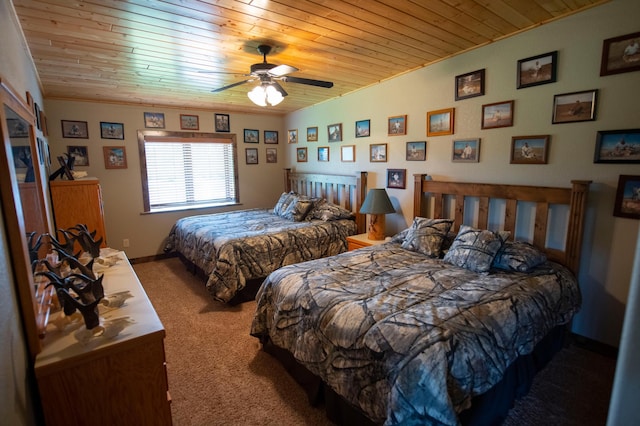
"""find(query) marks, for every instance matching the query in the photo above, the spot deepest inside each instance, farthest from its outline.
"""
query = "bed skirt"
(490, 408)
(248, 293)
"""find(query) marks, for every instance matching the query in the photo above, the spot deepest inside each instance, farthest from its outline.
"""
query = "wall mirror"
(25, 206)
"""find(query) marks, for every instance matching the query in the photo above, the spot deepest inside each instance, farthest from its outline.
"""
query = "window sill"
(187, 208)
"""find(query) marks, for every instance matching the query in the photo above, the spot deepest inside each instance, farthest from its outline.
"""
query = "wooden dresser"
(121, 380)
(79, 201)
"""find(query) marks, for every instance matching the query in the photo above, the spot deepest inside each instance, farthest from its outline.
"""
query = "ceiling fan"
(270, 91)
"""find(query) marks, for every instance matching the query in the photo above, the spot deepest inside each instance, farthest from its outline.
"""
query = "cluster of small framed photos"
(397, 126)
(80, 130)
(253, 136)
(251, 155)
(347, 154)
(155, 120)
(532, 71)
(115, 157)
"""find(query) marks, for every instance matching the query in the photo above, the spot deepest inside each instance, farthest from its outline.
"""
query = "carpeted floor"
(218, 374)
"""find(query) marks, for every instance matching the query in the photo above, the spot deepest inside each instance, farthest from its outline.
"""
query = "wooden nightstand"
(361, 240)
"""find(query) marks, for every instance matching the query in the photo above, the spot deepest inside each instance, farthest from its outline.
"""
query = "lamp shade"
(265, 94)
(377, 202)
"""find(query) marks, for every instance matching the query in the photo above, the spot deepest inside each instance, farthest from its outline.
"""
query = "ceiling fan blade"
(279, 88)
(318, 83)
(230, 86)
(281, 70)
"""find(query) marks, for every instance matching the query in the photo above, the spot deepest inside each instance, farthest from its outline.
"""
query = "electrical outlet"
(125, 242)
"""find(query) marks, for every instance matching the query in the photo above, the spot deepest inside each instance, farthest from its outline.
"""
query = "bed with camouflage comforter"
(231, 248)
(407, 338)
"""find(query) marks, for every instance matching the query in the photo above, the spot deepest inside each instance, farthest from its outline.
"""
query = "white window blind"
(189, 172)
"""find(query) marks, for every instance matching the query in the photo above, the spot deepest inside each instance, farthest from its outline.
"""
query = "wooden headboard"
(575, 198)
(347, 191)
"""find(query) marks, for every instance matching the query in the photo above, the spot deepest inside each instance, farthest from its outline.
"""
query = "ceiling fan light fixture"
(265, 94)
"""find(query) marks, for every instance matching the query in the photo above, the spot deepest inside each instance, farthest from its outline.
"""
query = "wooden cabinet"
(107, 381)
(79, 201)
(358, 241)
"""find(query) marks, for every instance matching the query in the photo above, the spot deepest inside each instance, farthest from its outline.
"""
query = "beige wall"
(260, 185)
(609, 241)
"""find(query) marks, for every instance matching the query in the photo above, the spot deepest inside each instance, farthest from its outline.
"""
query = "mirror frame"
(14, 215)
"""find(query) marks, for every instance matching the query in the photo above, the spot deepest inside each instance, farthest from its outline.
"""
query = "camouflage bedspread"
(406, 338)
(237, 246)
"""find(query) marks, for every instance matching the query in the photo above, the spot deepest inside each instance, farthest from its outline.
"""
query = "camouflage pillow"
(298, 209)
(283, 203)
(326, 211)
(518, 256)
(426, 235)
(475, 249)
(400, 236)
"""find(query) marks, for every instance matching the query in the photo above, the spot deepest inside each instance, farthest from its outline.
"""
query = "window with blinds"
(187, 170)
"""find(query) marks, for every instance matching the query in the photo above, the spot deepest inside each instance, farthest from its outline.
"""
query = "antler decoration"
(78, 288)
(34, 247)
(86, 240)
(69, 239)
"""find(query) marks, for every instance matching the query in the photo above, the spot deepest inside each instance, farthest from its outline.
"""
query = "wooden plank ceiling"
(154, 52)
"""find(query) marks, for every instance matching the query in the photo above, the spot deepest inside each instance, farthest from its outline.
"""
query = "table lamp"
(377, 204)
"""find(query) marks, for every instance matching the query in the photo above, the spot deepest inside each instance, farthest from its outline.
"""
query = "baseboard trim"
(146, 259)
(594, 346)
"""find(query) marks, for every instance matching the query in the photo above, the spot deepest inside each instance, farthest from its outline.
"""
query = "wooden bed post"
(361, 188)
(417, 194)
(287, 180)
(577, 209)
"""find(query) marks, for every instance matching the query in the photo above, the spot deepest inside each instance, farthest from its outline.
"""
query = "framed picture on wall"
(189, 122)
(154, 120)
(620, 54)
(312, 134)
(363, 128)
(251, 155)
(537, 70)
(466, 151)
(529, 149)
(115, 157)
(498, 114)
(222, 123)
(43, 123)
(323, 153)
(378, 152)
(251, 136)
(272, 155)
(111, 130)
(348, 153)
(292, 136)
(271, 136)
(396, 178)
(301, 155)
(416, 151)
(627, 202)
(440, 122)
(470, 85)
(617, 146)
(397, 125)
(334, 132)
(75, 129)
(574, 107)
